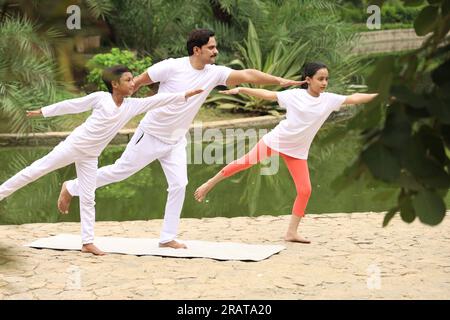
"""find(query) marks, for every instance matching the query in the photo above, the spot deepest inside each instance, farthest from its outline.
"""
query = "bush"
(390, 13)
(27, 74)
(99, 62)
(399, 14)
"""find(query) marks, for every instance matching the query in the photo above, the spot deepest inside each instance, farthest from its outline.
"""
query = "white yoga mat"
(145, 246)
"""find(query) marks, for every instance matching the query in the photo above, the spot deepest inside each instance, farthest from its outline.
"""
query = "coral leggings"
(297, 167)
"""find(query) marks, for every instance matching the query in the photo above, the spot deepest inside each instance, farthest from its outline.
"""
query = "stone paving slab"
(351, 257)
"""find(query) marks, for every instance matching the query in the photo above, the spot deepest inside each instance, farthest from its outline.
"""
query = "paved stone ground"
(351, 257)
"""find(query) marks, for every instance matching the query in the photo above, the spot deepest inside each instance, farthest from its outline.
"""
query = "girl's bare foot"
(91, 248)
(64, 199)
(173, 244)
(202, 191)
(295, 238)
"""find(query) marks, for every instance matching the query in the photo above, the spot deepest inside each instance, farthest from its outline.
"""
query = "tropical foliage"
(406, 132)
(27, 73)
(156, 27)
(392, 12)
(280, 55)
(99, 62)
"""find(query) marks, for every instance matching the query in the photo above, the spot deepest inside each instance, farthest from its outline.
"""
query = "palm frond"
(100, 8)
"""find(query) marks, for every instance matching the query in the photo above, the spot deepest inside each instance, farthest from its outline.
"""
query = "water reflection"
(143, 195)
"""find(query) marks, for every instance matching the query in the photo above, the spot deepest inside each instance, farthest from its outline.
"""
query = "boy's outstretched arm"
(259, 93)
(34, 113)
(70, 106)
(254, 76)
(162, 99)
(360, 98)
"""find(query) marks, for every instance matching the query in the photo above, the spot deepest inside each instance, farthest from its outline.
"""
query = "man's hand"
(34, 113)
(288, 82)
(230, 91)
(191, 93)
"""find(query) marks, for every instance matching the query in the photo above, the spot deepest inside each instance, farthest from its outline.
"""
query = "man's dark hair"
(113, 74)
(198, 38)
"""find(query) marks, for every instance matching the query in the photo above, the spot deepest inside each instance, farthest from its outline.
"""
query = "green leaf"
(426, 170)
(445, 7)
(381, 162)
(389, 215)
(429, 207)
(406, 209)
(226, 106)
(368, 117)
(413, 3)
(254, 50)
(274, 112)
(433, 143)
(407, 181)
(406, 95)
(441, 74)
(439, 109)
(445, 133)
(412, 63)
(397, 128)
(426, 20)
(380, 80)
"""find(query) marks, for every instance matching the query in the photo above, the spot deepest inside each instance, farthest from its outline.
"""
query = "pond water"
(143, 196)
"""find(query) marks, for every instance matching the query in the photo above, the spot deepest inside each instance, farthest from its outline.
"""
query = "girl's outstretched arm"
(360, 98)
(259, 93)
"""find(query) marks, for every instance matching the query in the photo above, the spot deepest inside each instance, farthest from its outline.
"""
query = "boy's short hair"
(113, 74)
(198, 38)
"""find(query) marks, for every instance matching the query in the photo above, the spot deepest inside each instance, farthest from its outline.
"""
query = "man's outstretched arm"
(142, 80)
(254, 76)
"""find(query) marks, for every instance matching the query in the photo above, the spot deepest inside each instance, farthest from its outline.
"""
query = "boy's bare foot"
(296, 238)
(202, 191)
(173, 244)
(91, 248)
(64, 199)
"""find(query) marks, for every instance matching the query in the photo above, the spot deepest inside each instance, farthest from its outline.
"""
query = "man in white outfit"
(162, 133)
(110, 112)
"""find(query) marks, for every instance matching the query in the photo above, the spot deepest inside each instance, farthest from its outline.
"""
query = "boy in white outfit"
(111, 111)
(162, 132)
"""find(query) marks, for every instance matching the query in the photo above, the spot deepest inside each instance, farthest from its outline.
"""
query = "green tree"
(286, 58)
(406, 132)
(157, 27)
(99, 62)
(27, 73)
(52, 15)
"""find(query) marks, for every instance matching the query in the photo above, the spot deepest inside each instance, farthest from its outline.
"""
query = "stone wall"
(387, 41)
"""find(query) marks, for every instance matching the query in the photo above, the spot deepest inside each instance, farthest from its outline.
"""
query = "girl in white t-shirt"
(110, 112)
(306, 110)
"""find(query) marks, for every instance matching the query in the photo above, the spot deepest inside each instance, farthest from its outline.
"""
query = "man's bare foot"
(173, 244)
(296, 238)
(202, 191)
(91, 248)
(64, 199)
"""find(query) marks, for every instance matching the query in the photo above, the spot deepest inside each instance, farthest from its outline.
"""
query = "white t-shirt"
(106, 119)
(305, 115)
(171, 122)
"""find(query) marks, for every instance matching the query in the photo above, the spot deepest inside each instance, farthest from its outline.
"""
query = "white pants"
(62, 155)
(141, 151)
